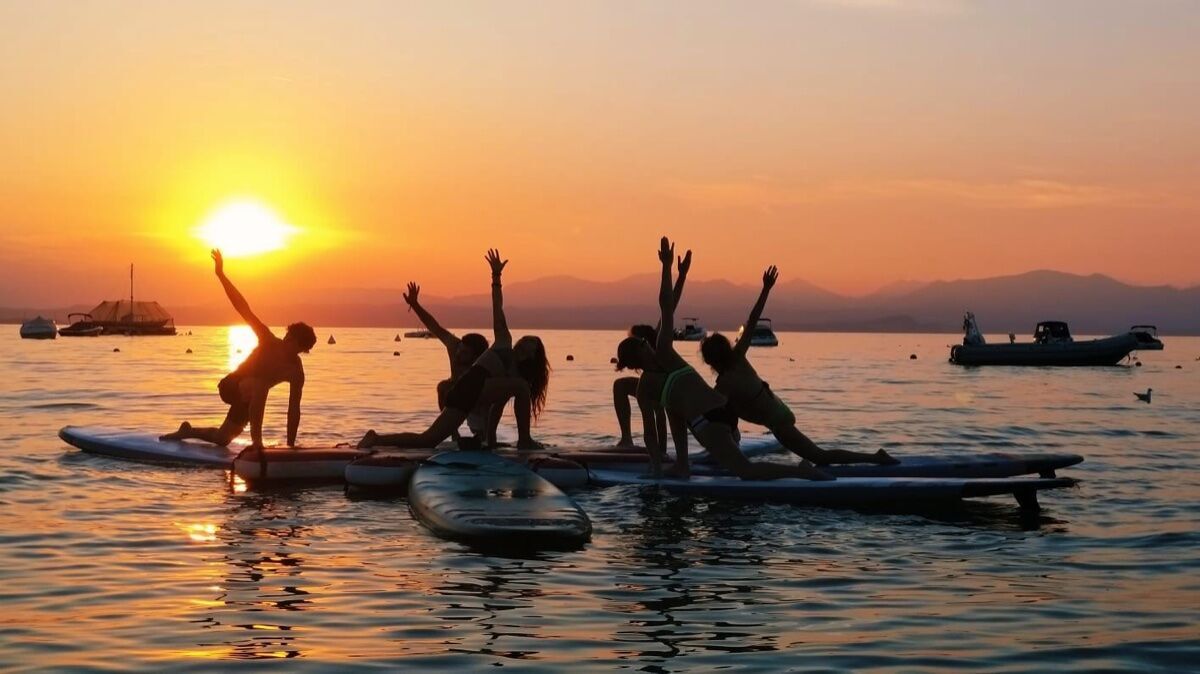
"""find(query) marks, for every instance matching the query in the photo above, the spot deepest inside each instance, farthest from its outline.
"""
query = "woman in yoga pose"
(750, 397)
(504, 370)
(667, 381)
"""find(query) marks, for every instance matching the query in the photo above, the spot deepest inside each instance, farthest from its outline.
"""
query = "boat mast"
(131, 316)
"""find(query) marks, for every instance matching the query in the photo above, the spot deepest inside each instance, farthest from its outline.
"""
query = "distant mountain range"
(1094, 304)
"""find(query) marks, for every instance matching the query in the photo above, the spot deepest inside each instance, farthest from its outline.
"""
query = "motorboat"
(418, 334)
(39, 328)
(83, 326)
(1147, 336)
(691, 331)
(762, 335)
(1052, 345)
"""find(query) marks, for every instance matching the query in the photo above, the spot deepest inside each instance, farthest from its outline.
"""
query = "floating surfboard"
(147, 448)
(487, 500)
(848, 491)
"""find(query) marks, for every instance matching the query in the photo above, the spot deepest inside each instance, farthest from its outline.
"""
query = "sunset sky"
(852, 142)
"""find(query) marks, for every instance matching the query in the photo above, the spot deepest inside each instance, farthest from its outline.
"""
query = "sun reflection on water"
(199, 532)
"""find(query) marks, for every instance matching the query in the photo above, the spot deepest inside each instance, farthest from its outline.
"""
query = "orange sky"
(851, 142)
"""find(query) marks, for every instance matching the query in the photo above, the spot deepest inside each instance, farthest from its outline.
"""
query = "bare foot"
(368, 440)
(811, 472)
(884, 459)
(625, 443)
(529, 443)
(680, 472)
(184, 429)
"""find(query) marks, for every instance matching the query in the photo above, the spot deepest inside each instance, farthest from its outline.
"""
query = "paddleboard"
(146, 447)
(484, 499)
(1043, 464)
(391, 471)
(274, 464)
(849, 491)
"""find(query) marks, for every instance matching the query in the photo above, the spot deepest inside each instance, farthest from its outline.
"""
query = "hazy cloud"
(765, 194)
(928, 6)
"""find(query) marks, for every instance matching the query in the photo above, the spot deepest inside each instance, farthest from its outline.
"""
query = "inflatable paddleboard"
(274, 464)
(846, 492)
(147, 448)
(1043, 464)
(484, 499)
(391, 471)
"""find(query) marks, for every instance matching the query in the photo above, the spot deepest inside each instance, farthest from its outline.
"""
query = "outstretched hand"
(666, 251)
(770, 276)
(414, 291)
(685, 263)
(218, 261)
(493, 258)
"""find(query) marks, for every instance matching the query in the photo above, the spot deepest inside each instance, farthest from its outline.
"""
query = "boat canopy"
(1052, 332)
(122, 311)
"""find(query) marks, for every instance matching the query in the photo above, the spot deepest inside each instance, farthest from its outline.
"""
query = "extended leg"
(800, 445)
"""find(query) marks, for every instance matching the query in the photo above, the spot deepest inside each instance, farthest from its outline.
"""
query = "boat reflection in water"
(1052, 345)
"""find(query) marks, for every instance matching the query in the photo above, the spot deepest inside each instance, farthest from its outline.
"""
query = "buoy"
(1138, 364)
(331, 340)
(791, 360)
(397, 337)
(189, 351)
(1178, 367)
(570, 357)
(395, 353)
(189, 333)
(116, 351)
(912, 356)
(613, 361)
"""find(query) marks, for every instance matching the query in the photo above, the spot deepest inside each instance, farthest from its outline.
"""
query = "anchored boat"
(691, 331)
(84, 326)
(763, 334)
(1147, 337)
(39, 328)
(1052, 345)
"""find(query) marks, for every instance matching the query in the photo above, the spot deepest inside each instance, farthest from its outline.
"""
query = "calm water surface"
(108, 565)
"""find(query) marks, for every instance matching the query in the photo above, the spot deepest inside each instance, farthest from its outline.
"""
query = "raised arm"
(235, 298)
(743, 344)
(503, 337)
(427, 319)
(685, 263)
(666, 297)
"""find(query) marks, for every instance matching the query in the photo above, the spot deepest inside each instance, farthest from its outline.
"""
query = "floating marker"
(1178, 367)
(188, 351)
(116, 351)
(395, 353)
(1138, 364)
(331, 340)
(912, 356)
(397, 337)
(570, 357)
(613, 361)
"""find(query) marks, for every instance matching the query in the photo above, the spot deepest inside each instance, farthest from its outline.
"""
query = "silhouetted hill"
(1094, 304)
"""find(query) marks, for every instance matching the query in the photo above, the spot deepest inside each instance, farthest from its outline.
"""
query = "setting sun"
(245, 227)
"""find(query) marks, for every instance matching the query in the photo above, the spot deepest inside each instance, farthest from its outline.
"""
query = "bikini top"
(670, 380)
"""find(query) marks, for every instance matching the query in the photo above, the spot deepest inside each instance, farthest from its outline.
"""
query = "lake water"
(108, 565)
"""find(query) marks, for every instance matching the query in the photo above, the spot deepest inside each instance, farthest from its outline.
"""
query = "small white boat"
(763, 335)
(39, 328)
(418, 334)
(691, 331)
(1147, 338)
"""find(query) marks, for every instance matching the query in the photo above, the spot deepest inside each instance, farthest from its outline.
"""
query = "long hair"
(717, 351)
(303, 334)
(536, 372)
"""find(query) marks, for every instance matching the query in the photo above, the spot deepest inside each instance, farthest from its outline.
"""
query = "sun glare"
(242, 228)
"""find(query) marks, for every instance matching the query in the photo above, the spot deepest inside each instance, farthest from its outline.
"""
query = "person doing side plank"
(668, 381)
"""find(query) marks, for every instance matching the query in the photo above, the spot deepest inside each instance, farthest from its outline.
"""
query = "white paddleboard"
(146, 447)
(484, 499)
